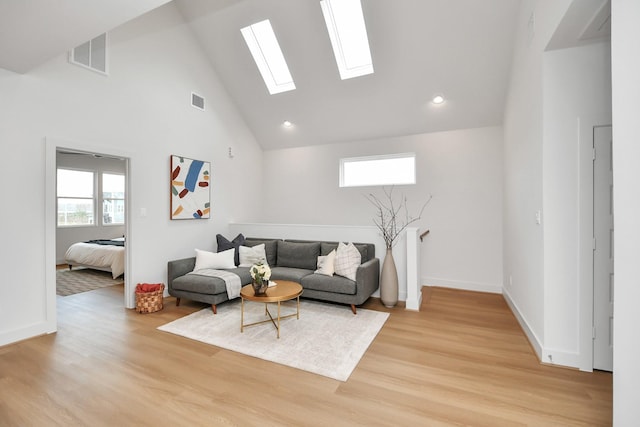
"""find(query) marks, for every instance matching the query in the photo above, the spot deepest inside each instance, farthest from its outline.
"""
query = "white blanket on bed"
(231, 280)
(102, 257)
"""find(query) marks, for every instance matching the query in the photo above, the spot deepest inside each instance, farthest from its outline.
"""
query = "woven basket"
(149, 302)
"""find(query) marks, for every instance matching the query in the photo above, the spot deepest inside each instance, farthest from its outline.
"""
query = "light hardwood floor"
(462, 360)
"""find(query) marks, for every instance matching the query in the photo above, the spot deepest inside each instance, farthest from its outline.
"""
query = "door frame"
(586, 127)
(52, 145)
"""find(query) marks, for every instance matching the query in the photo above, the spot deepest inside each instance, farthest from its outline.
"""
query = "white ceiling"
(420, 48)
(35, 31)
(458, 48)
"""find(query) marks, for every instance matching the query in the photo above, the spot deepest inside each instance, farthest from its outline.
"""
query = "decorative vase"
(389, 281)
(260, 288)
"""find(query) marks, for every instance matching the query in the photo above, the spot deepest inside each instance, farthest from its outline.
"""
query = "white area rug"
(327, 339)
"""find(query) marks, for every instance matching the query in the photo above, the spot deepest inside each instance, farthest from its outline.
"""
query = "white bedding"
(102, 257)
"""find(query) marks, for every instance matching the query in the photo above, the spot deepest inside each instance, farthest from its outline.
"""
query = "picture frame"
(190, 188)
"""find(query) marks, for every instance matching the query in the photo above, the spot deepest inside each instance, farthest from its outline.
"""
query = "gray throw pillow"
(224, 244)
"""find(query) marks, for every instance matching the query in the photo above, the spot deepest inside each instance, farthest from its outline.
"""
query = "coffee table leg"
(242, 315)
(278, 319)
(298, 310)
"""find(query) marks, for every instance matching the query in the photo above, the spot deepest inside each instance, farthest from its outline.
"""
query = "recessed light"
(438, 99)
(287, 124)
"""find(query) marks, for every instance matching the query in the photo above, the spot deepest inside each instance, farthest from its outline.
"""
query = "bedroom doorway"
(52, 148)
(90, 221)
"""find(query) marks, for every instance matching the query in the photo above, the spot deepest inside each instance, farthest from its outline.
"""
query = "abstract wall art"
(190, 183)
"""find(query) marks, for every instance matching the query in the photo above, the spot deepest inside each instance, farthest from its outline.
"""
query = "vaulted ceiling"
(461, 49)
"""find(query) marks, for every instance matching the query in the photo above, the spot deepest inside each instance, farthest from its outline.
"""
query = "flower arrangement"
(393, 217)
(260, 273)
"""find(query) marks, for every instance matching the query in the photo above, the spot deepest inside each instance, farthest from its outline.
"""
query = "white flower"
(260, 272)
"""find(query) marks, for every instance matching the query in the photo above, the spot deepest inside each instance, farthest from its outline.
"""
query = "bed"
(105, 255)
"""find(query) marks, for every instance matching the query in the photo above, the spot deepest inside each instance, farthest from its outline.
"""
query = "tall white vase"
(389, 281)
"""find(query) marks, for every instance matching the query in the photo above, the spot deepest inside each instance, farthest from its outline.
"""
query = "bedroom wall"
(523, 273)
(461, 169)
(142, 110)
(66, 236)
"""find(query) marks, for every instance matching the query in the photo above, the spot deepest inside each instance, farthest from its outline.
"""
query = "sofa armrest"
(367, 279)
(179, 267)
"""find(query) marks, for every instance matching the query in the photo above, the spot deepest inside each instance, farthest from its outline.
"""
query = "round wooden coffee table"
(284, 291)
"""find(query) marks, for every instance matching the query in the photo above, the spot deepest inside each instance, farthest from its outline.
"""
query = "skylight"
(268, 56)
(348, 34)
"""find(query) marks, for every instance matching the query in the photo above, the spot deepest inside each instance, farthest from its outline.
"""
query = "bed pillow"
(347, 261)
(252, 255)
(224, 244)
(326, 264)
(205, 259)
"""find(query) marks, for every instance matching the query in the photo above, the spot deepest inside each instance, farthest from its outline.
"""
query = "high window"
(266, 52)
(75, 197)
(394, 169)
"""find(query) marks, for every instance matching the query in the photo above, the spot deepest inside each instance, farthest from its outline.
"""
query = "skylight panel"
(268, 56)
(348, 34)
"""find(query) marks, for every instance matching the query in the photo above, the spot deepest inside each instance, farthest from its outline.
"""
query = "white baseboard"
(531, 336)
(458, 284)
(30, 331)
(560, 358)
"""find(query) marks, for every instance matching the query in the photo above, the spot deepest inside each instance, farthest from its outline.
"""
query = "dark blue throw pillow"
(224, 244)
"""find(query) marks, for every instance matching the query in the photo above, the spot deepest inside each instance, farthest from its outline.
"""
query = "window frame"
(347, 160)
(93, 198)
(102, 198)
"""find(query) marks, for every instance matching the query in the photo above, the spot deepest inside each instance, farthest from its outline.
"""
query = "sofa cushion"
(224, 244)
(298, 255)
(333, 284)
(206, 259)
(193, 282)
(326, 247)
(270, 248)
(288, 273)
(347, 261)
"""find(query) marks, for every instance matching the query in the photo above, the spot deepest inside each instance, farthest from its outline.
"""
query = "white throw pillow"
(224, 259)
(252, 255)
(347, 261)
(326, 264)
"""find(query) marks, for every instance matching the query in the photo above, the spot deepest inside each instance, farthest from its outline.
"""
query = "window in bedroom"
(393, 169)
(75, 197)
(112, 198)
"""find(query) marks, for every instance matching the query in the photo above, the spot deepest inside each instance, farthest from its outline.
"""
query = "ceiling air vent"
(92, 54)
(197, 101)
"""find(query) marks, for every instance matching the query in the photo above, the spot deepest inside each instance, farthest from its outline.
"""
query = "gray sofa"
(293, 260)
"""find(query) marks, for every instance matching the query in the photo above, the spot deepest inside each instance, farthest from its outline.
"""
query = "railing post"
(414, 288)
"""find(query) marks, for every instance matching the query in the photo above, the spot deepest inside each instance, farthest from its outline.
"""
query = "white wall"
(461, 169)
(625, 39)
(142, 109)
(66, 236)
(577, 88)
(523, 177)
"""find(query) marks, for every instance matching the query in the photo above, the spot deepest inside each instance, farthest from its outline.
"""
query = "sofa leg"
(215, 310)
(177, 302)
(353, 308)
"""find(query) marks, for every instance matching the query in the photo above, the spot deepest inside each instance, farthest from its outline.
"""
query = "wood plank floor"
(462, 360)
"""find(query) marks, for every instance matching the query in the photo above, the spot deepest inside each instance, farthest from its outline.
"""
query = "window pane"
(75, 211)
(378, 170)
(113, 211)
(112, 186)
(113, 198)
(73, 183)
